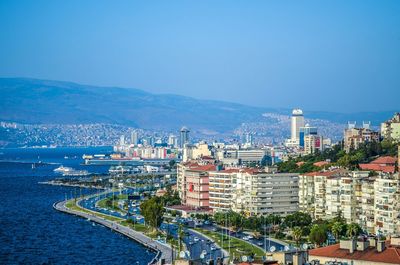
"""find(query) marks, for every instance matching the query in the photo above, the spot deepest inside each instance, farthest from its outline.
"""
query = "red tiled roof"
(245, 170)
(203, 168)
(390, 255)
(324, 173)
(321, 163)
(384, 160)
(299, 163)
(377, 167)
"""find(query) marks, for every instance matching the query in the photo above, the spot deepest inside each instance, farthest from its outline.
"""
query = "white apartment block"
(372, 202)
(253, 192)
(367, 215)
(387, 204)
(221, 189)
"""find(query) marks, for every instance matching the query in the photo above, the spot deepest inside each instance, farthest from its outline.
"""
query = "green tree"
(318, 234)
(353, 230)
(337, 229)
(152, 211)
(297, 232)
(172, 163)
(297, 219)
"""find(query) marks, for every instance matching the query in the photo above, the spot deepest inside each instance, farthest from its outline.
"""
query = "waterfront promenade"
(162, 251)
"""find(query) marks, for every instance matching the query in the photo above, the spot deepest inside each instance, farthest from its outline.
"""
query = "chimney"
(380, 246)
(350, 244)
(395, 241)
(372, 241)
(353, 246)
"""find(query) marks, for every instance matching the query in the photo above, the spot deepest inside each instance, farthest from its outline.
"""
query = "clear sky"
(319, 55)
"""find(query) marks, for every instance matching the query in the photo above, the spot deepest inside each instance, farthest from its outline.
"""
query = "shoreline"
(53, 183)
(162, 251)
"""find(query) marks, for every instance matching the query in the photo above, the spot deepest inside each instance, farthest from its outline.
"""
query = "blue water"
(32, 232)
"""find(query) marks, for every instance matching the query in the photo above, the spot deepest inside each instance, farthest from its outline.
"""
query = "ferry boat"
(63, 169)
(69, 171)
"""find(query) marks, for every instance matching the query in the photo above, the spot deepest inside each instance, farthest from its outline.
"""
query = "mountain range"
(35, 101)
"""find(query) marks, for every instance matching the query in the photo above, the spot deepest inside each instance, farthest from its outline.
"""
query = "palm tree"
(337, 228)
(297, 232)
(353, 230)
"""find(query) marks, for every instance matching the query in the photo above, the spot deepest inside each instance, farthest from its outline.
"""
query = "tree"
(337, 229)
(172, 163)
(152, 211)
(353, 230)
(297, 219)
(318, 234)
(297, 232)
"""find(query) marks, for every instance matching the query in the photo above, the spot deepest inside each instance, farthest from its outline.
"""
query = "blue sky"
(319, 55)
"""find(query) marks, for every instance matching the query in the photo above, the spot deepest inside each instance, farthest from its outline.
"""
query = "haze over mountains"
(36, 101)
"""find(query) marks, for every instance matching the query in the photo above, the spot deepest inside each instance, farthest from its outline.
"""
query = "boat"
(63, 169)
(69, 171)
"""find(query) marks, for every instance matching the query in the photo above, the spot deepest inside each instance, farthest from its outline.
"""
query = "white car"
(213, 248)
(195, 239)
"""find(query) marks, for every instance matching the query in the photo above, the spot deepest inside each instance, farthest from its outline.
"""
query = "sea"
(32, 232)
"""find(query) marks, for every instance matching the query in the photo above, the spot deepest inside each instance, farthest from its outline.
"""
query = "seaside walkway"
(163, 251)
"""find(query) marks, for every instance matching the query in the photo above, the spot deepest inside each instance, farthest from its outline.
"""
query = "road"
(195, 248)
(163, 251)
(262, 243)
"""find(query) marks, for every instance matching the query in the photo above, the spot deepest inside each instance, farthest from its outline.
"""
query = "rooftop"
(391, 255)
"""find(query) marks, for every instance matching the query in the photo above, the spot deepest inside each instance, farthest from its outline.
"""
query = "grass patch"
(137, 227)
(72, 206)
(238, 247)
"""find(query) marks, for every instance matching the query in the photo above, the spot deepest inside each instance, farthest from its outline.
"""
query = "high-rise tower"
(184, 136)
(134, 138)
(297, 123)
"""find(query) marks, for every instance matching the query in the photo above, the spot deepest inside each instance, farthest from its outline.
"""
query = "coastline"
(162, 251)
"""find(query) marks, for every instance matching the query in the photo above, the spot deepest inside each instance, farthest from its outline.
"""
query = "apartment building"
(261, 193)
(372, 202)
(318, 193)
(390, 129)
(249, 190)
(221, 189)
(387, 204)
(313, 143)
(306, 193)
(354, 137)
(367, 215)
(193, 184)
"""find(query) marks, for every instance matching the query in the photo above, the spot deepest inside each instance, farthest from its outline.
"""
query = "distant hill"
(42, 101)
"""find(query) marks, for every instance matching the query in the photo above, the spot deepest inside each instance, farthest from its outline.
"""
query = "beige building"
(192, 152)
(353, 136)
(313, 143)
(221, 189)
(390, 129)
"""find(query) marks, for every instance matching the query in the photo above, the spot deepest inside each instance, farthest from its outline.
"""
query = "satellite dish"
(244, 258)
(287, 248)
(304, 246)
(182, 254)
(272, 249)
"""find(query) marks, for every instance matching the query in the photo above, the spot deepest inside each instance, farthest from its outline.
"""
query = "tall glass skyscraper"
(184, 137)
